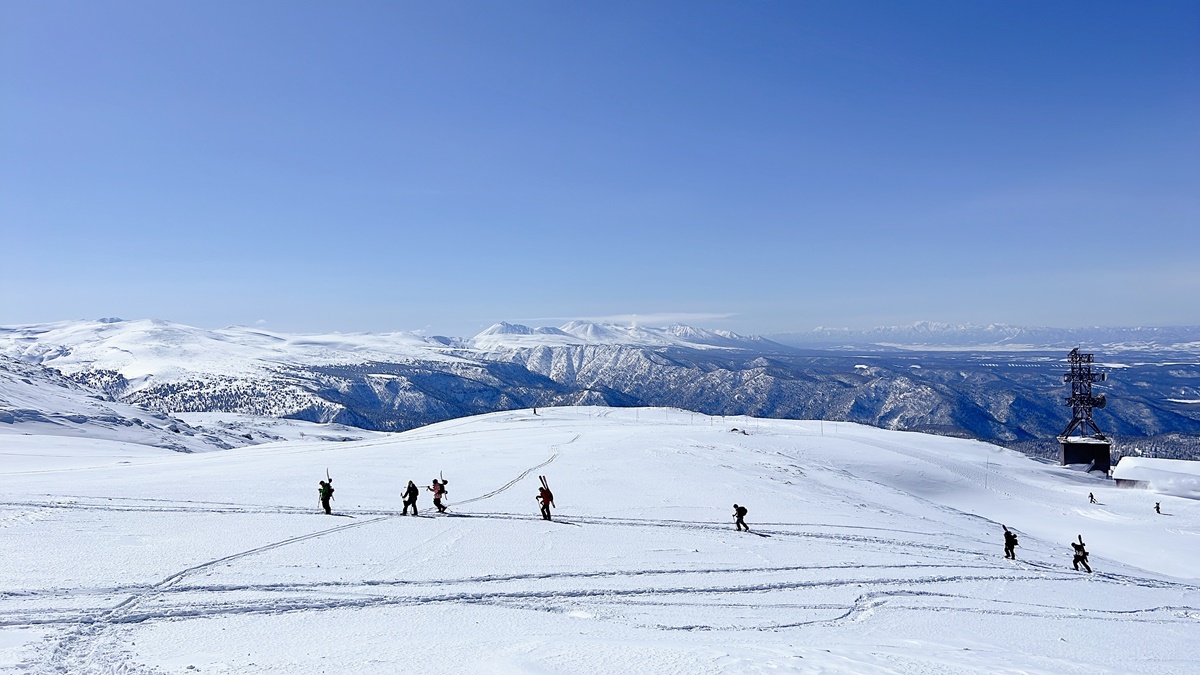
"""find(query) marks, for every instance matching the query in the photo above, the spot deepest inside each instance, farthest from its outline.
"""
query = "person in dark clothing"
(1081, 556)
(1156, 507)
(439, 490)
(1091, 498)
(546, 498)
(325, 493)
(1010, 543)
(739, 516)
(410, 497)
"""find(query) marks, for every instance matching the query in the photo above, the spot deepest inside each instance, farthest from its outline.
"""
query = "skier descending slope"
(545, 497)
(1081, 556)
(1010, 544)
(410, 497)
(739, 517)
(325, 493)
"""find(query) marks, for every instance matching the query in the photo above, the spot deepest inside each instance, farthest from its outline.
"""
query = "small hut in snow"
(1174, 476)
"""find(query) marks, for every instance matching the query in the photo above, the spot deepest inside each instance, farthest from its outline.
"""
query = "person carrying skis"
(1081, 556)
(1010, 543)
(325, 493)
(410, 497)
(439, 490)
(546, 498)
(739, 517)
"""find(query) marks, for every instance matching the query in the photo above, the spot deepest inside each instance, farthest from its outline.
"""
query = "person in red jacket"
(546, 497)
(439, 490)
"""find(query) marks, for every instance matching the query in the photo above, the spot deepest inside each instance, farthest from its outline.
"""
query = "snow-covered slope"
(871, 552)
(35, 400)
(171, 352)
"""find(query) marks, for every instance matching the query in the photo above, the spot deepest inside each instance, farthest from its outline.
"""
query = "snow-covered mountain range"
(396, 381)
(932, 334)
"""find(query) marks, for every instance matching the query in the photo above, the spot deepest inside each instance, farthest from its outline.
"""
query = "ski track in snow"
(74, 653)
(918, 571)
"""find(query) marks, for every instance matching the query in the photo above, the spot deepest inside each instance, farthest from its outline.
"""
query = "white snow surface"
(873, 551)
(170, 351)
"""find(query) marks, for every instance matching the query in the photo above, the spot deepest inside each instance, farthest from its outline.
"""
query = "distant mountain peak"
(505, 328)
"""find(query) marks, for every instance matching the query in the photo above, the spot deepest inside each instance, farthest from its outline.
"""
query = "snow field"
(882, 553)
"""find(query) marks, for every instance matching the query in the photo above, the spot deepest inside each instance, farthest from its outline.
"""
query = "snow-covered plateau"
(871, 551)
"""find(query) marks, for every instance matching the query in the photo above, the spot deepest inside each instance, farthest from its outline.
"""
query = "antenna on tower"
(1090, 446)
(1081, 401)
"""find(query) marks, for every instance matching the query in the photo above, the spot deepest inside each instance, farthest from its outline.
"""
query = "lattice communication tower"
(1082, 401)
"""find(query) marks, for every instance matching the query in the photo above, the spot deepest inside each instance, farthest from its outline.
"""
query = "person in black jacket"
(739, 516)
(325, 493)
(1081, 556)
(410, 497)
(1010, 544)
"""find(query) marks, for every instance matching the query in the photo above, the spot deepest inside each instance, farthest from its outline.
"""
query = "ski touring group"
(1079, 550)
(545, 500)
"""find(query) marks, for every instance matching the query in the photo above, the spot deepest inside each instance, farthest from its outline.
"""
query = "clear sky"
(758, 166)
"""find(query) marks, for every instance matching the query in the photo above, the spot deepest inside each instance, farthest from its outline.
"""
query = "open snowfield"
(873, 552)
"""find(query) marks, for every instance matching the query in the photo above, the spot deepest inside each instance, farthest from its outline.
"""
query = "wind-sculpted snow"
(870, 551)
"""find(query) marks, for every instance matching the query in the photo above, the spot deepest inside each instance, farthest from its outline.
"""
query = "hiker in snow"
(325, 493)
(1010, 543)
(546, 498)
(410, 497)
(739, 515)
(439, 490)
(1156, 507)
(1081, 556)
(1091, 498)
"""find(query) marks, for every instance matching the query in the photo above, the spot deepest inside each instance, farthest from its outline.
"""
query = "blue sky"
(762, 167)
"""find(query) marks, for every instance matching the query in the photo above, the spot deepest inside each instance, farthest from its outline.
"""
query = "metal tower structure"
(1081, 401)
(1090, 446)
